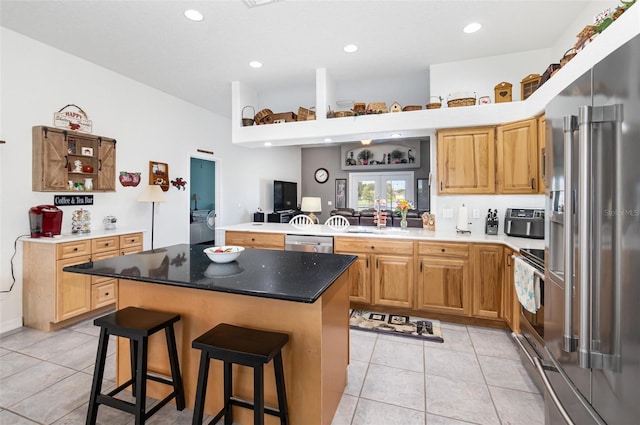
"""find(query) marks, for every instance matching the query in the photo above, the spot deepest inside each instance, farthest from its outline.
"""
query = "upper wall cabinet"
(422, 122)
(68, 160)
(466, 160)
(502, 159)
(517, 157)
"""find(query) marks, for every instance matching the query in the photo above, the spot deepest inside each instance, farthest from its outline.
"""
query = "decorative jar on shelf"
(88, 183)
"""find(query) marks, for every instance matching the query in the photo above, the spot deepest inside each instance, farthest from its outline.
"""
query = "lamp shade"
(152, 193)
(311, 204)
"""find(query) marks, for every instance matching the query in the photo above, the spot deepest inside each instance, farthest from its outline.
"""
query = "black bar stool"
(137, 325)
(247, 347)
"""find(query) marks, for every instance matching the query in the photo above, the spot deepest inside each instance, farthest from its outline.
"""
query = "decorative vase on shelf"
(88, 184)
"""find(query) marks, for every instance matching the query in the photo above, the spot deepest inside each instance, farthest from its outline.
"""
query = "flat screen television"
(285, 195)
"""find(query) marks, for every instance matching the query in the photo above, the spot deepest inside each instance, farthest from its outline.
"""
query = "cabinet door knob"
(443, 250)
(106, 294)
(107, 244)
(373, 247)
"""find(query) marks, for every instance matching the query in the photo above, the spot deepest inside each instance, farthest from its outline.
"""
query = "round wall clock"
(321, 175)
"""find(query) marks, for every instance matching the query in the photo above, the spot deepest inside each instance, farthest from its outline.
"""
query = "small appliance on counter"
(45, 220)
(524, 222)
(491, 225)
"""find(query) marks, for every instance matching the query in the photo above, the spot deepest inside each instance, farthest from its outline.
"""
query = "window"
(365, 188)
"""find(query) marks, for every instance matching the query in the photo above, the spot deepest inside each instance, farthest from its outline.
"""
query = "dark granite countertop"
(285, 275)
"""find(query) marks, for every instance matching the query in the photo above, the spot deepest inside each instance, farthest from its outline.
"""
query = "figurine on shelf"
(77, 166)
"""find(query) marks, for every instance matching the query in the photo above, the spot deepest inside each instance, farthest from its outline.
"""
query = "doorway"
(202, 201)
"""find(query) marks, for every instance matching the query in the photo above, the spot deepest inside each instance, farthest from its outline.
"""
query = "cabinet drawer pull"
(75, 249)
(107, 244)
(373, 247)
(443, 250)
(106, 294)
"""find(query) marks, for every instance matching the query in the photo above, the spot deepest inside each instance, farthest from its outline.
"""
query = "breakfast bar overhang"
(305, 295)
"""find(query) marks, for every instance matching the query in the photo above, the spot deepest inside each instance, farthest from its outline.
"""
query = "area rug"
(396, 324)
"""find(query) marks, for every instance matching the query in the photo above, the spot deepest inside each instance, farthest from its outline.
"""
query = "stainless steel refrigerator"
(591, 367)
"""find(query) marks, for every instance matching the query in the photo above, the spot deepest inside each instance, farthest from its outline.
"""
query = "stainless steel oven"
(530, 340)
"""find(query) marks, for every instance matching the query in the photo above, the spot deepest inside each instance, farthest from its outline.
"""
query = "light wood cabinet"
(53, 298)
(383, 274)
(255, 240)
(542, 152)
(443, 278)
(55, 152)
(517, 157)
(510, 304)
(487, 280)
(466, 160)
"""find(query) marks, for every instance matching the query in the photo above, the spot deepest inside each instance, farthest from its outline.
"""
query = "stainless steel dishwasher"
(308, 243)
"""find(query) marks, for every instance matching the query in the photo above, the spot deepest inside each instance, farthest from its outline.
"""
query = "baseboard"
(10, 325)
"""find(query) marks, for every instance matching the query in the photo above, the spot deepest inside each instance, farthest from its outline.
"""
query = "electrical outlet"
(476, 213)
(447, 213)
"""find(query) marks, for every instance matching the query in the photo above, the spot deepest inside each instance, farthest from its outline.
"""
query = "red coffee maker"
(45, 220)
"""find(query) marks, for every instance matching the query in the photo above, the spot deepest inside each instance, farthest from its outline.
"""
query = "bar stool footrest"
(116, 403)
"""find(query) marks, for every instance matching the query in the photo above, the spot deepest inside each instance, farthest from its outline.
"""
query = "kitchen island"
(305, 295)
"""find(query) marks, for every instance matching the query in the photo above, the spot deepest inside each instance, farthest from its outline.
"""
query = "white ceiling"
(152, 42)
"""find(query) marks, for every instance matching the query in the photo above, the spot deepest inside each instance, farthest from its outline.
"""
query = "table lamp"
(152, 193)
(310, 205)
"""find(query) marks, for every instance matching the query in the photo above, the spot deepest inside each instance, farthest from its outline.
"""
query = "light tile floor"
(474, 377)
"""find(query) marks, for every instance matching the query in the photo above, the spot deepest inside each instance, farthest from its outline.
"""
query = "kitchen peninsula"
(302, 294)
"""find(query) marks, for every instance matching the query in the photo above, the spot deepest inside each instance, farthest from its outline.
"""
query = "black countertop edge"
(284, 275)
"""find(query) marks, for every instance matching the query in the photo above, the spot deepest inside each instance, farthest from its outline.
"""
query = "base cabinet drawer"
(103, 294)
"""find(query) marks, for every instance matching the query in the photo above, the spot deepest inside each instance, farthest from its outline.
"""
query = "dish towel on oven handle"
(527, 285)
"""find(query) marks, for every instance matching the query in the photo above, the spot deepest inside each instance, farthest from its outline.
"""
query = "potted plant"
(365, 155)
(397, 155)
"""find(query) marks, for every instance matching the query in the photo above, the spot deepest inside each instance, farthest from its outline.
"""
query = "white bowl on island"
(223, 254)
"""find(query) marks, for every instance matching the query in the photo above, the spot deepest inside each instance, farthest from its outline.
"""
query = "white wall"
(37, 80)
(483, 74)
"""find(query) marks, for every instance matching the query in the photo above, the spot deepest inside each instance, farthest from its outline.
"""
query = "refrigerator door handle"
(584, 233)
(610, 114)
(569, 340)
(552, 392)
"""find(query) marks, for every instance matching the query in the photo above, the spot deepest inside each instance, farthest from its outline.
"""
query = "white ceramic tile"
(345, 410)
(401, 339)
(390, 385)
(462, 400)
(79, 358)
(8, 418)
(453, 364)
(56, 401)
(22, 337)
(370, 412)
(495, 343)
(506, 373)
(30, 381)
(441, 420)
(454, 339)
(355, 377)
(361, 347)
(397, 353)
(365, 334)
(62, 343)
(518, 407)
(15, 362)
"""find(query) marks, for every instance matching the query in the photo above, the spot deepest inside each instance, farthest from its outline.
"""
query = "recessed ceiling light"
(267, 143)
(328, 139)
(396, 135)
(473, 27)
(255, 64)
(193, 15)
(350, 48)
